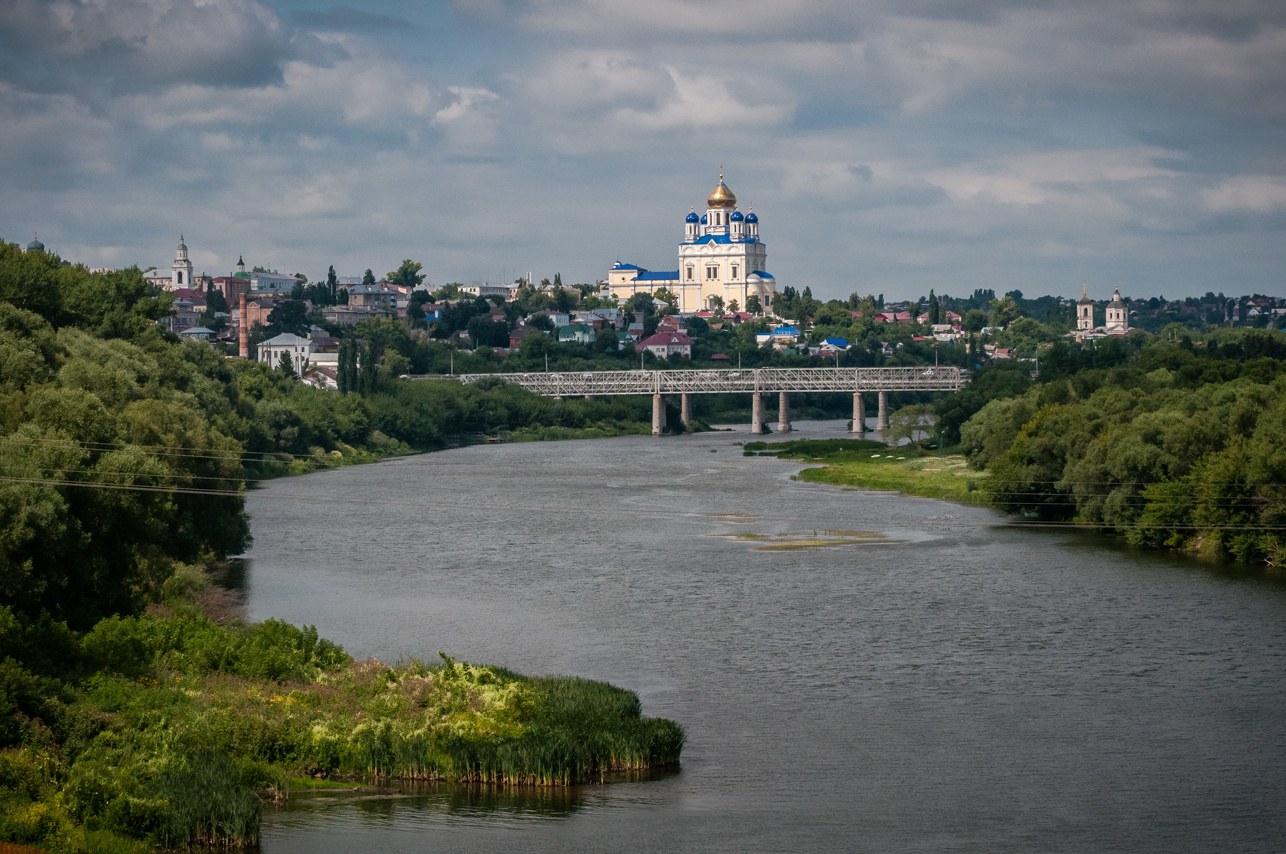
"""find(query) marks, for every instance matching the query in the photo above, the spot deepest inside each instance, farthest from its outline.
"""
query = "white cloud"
(1252, 193)
(1044, 177)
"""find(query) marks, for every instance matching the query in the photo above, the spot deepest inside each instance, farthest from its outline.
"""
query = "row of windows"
(712, 272)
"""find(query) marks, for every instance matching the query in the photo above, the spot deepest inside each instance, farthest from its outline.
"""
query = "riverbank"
(866, 464)
(169, 729)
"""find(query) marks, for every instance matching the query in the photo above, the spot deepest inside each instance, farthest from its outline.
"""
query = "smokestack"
(244, 331)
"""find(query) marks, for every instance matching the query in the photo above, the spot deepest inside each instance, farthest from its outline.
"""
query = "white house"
(300, 350)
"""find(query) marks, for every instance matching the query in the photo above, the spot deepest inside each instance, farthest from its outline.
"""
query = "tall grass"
(173, 729)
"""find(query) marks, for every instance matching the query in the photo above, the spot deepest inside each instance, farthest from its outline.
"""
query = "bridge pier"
(658, 414)
(882, 420)
(685, 409)
(859, 415)
(783, 412)
(756, 413)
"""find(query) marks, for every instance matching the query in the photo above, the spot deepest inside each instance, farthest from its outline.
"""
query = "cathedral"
(721, 261)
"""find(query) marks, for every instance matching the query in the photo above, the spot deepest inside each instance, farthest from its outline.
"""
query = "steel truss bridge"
(755, 381)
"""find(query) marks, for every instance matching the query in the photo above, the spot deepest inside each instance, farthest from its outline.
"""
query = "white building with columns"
(721, 260)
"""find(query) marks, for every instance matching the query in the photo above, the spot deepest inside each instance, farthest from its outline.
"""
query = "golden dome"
(721, 197)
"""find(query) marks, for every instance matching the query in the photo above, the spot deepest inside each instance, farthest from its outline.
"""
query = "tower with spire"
(1085, 310)
(182, 275)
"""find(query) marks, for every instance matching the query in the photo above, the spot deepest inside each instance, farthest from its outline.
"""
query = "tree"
(346, 374)
(974, 320)
(666, 296)
(716, 303)
(753, 305)
(287, 365)
(370, 370)
(332, 283)
(909, 421)
(408, 275)
(368, 278)
(734, 306)
(935, 310)
(558, 280)
(290, 316)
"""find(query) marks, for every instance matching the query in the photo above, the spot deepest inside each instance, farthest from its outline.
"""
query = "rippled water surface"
(971, 687)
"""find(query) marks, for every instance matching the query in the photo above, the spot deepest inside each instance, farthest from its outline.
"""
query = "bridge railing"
(715, 381)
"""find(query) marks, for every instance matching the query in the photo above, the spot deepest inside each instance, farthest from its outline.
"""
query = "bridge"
(755, 381)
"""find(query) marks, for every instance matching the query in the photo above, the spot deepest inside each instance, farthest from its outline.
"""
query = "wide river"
(970, 687)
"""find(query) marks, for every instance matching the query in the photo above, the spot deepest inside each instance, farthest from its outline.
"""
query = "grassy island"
(872, 465)
(168, 729)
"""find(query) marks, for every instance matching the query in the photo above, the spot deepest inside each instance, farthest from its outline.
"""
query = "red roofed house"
(664, 344)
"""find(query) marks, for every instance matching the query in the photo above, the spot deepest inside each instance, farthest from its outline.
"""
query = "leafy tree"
(289, 316)
(974, 320)
(332, 283)
(408, 275)
(752, 304)
(734, 306)
(668, 297)
(910, 421)
(287, 365)
(368, 278)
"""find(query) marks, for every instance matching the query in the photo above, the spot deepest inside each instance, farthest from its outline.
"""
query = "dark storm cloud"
(131, 44)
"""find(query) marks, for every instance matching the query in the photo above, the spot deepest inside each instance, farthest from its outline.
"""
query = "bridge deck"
(716, 381)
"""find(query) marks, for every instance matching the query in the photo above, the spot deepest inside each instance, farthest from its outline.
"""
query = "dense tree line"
(1173, 444)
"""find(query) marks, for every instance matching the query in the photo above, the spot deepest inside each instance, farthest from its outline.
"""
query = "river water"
(970, 687)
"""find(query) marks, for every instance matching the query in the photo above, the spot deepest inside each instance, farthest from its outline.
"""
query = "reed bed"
(179, 729)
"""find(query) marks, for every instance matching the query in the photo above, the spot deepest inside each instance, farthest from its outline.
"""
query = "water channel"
(968, 687)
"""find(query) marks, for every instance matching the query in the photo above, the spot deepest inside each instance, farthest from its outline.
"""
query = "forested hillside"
(1170, 443)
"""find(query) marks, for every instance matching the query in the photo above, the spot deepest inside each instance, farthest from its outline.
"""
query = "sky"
(887, 146)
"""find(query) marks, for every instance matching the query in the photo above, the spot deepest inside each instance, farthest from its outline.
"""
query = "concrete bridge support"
(882, 420)
(859, 415)
(756, 413)
(658, 414)
(783, 412)
(685, 409)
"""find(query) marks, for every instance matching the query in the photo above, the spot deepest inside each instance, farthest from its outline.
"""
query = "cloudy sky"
(888, 146)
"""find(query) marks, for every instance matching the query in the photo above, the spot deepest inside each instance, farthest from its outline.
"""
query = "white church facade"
(721, 261)
(1117, 316)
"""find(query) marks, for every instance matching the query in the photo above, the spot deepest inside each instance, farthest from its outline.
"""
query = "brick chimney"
(244, 330)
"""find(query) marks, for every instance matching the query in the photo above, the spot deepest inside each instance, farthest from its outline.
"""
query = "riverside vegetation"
(1168, 442)
(128, 719)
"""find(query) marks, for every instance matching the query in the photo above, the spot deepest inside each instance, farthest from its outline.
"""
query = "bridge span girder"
(721, 381)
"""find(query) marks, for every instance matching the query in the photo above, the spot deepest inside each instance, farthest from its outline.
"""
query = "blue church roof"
(752, 217)
(761, 274)
(692, 217)
(736, 217)
(619, 266)
(665, 276)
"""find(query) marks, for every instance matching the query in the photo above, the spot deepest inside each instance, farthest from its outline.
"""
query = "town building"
(665, 344)
(721, 259)
(300, 349)
(375, 297)
(269, 281)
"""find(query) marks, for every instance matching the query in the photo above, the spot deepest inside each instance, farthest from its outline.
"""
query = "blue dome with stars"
(750, 217)
(692, 217)
(736, 217)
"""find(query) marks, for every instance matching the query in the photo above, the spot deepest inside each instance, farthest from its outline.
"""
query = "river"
(969, 687)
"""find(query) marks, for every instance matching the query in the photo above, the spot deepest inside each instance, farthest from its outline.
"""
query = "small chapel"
(1117, 319)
